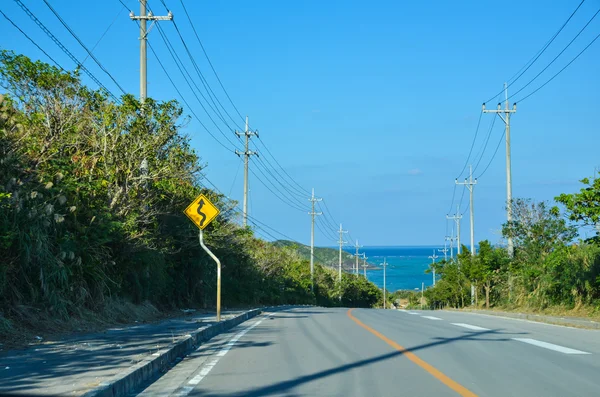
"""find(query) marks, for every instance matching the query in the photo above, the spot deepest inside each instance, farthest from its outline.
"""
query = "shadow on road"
(286, 386)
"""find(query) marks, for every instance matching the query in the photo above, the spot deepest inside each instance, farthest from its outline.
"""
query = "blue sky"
(374, 104)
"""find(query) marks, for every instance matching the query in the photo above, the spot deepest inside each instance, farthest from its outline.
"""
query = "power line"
(275, 194)
(32, 41)
(330, 213)
(185, 101)
(293, 195)
(559, 54)
(209, 91)
(211, 66)
(461, 199)
(106, 31)
(325, 231)
(235, 178)
(493, 156)
(330, 222)
(64, 49)
(539, 53)
(472, 145)
(302, 189)
(560, 71)
(290, 195)
(182, 68)
(90, 54)
(486, 143)
(201, 76)
(453, 196)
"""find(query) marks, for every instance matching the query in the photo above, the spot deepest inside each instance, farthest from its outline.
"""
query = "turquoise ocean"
(406, 265)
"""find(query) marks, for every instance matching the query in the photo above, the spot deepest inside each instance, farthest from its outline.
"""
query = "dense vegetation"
(91, 200)
(549, 268)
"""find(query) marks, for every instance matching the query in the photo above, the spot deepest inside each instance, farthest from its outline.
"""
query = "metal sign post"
(209, 252)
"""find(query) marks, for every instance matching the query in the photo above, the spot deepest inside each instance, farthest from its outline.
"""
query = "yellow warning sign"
(201, 211)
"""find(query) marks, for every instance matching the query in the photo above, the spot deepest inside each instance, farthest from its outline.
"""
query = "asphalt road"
(309, 351)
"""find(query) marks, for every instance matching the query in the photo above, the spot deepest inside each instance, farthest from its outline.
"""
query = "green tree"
(584, 207)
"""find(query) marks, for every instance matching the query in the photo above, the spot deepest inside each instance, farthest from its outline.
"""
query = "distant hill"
(325, 256)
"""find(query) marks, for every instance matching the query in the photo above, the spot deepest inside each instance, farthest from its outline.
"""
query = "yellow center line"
(436, 373)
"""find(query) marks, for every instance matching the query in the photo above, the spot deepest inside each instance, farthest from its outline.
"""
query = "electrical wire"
(295, 186)
(202, 78)
(105, 32)
(493, 156)
(329, 211)
(90, 54)
(326, 232)
(327, 218)
(539, 53)
(559, 54)
(275, 194)
(291, 194)
(302, 189)
(453, 196)
(32, 41)
(461, 198)
(208, 89)
(185, 101)
(183, 72)
(32, 16)
(235, 178)
(493, 122)
(560, 71)
(472, 145)
(211, 65)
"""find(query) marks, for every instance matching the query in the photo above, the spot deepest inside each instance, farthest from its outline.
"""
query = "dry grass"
(582, 311)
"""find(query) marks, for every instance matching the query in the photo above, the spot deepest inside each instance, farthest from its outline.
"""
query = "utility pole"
(246, 153)
(596, 170)
(313, 200)
(365, 265)
(470, 183)
(384, 290)
(445, 251)
(422, 288)
(457, 217)
(341, 242)
(433, 258)
(143, 17)
(506, 120)
(451, 239)
(356, 255)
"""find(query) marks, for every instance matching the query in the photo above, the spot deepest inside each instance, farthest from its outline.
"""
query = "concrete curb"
(135, 376)
(540, 318)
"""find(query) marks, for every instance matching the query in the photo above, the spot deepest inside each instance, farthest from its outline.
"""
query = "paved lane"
(309, 351)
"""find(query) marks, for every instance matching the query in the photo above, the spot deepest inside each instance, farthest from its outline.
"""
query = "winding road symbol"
(203, 215)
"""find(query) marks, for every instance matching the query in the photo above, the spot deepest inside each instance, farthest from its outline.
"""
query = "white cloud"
(414, 171)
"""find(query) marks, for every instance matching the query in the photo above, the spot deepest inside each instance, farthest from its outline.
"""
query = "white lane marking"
(413, 313)
(550, 346)
(469, 326)
(431, 317)
(213, 361)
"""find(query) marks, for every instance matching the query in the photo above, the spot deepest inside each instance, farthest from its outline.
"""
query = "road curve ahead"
(309, 351)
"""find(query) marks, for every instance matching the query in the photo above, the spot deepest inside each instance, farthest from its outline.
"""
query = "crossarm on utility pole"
(209, 252)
